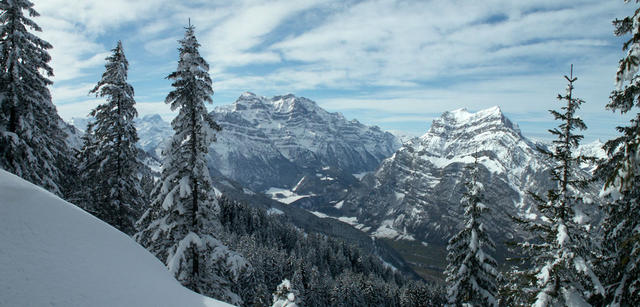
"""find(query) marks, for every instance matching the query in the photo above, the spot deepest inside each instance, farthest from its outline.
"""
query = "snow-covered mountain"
(80, 123)
(153, 131)
(286, 146)
(74, 135)
(415, 193)
(593, 149)
(290, 142)
(55, 254)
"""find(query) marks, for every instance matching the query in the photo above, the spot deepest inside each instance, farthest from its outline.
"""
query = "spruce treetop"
(471, 272)
(110, 155)
(561, 255)
(114, 80)
(180, 227)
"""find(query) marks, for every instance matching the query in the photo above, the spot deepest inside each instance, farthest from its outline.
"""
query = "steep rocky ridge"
(414, 196)
(290, 142)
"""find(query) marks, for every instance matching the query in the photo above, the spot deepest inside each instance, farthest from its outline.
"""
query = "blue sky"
(395, 64)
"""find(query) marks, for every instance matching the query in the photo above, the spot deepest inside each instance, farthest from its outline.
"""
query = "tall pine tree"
(109, 157)
(621, 172)
(471, 272)
(560, 253)
(32, 144)
(181, 224)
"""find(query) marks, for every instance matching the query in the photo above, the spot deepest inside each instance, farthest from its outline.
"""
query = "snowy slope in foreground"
(55, 254)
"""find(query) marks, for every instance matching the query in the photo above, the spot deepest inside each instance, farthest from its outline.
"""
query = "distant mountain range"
(414, 196)
(288, 149)
(415, 193)
(290, 143)
(275, 148)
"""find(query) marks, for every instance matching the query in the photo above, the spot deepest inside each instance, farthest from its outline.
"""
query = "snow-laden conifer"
(109, 157)
(560, 251)
(82, 196)
(284, 295)
(471, 272)
(621, 173)
(181, 223)
(32, 144)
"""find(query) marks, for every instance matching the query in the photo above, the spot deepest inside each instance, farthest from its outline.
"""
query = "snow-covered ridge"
(56, 254)
(274, 142)
(459, 135)
(152, 131)
(417, 190)
(461, 118)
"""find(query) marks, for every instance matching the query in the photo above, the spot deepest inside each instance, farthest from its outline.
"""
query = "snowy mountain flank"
(415, 194)
(289, 149)
(285, 146)
(288, 142)
(57, 254)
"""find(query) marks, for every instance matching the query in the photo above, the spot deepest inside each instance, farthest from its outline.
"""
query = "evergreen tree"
(420, 294)
(517, 287)
(109, 157)
(560, 253)
(621, 173)
(471, 272)
(87, 174)
(285, 295)
(181, 224)
(32, 144)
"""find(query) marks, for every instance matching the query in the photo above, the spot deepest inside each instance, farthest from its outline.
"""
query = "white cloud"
(155, 107)
(161, 46)
(77, 109)
(231, 42)
(396, 56)
(410, 41)
(71, 92)
(97, 17)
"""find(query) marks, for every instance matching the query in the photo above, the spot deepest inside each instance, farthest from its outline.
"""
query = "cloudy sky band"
(377, 61)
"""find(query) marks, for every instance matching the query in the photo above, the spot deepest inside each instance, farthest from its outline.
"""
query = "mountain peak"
(463, 116)
(155, 118)
(248, 100)
(460, 132)
(290, 102)
(462, 120)
(248, 97)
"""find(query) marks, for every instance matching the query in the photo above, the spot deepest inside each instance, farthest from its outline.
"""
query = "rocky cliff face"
(153, 131)
(415, 193)
(286, 146)
(290, 143)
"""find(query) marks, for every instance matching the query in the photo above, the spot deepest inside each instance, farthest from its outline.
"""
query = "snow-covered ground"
(284, 196)
(55, 254)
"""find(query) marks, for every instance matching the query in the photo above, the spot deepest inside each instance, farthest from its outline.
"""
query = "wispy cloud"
(387, 56)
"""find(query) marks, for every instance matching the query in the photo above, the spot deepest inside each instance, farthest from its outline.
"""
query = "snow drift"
(55, 254)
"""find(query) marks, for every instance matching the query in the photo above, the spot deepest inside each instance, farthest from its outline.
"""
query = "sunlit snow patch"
(387, 231)
(359, 176)
(283, 195)
(274, 211)
(339, 204)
